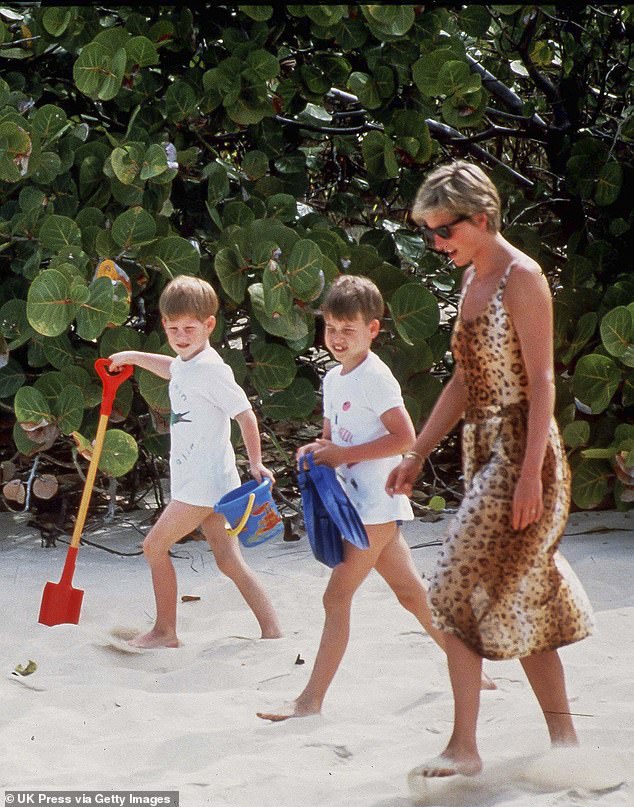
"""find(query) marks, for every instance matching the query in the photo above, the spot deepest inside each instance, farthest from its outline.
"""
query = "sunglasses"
(443, 231)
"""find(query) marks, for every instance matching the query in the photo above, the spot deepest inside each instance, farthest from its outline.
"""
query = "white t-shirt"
(354, 403)
(204, 396)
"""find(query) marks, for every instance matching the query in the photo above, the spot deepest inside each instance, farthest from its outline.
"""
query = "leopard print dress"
(505, 593)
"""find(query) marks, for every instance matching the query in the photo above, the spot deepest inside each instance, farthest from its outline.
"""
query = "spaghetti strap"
(505, 277)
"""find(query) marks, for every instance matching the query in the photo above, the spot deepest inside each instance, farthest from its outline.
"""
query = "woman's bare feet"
(274, 633)
(294, 709)
(444, 765)
(154, 639)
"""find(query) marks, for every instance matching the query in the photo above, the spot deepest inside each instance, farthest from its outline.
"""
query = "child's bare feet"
(295, 709)
(154, 639)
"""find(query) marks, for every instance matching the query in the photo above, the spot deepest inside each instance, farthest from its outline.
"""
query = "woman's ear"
(481, 220)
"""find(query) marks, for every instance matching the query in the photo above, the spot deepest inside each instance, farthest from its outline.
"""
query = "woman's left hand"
(528, 503)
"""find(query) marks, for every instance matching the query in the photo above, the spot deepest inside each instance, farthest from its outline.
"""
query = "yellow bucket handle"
(233, 531)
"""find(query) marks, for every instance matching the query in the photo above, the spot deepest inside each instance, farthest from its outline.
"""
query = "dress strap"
(505, 277)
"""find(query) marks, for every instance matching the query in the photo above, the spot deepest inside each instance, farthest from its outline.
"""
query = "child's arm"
(312, 447)
(400, 438)
(156, 363)
(251, 436)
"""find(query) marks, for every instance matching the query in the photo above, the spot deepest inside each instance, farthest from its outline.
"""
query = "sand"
(94, 716)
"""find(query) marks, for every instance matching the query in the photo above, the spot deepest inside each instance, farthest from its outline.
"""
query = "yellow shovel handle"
(90, 481)
(245, 517)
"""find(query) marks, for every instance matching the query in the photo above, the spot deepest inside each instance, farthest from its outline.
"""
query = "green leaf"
(135, 227)
(231, 271)
(49, 121)
(94, 316)
(181, 101)
(98, 72)
(31, 407)
(49, 306)
(263, 63)
(154, 162)
(415, 312)
(15, 150)
(595, 381)
(217, 183)
(278, 298)
(120, 453)
(576, 434)
(378, 155)
(590, 483)
(617, 331)
(297, 402)
(154, 390)
(282, 206)
(127, 162)
(69, 409)
(258, 13)
(395, 20)
(12, 377)
(292, 326)
(57, 20)
(255, 164)
(273, 366)
(59, 351)
(365, 88)
(426, 71)
(609, 184)
(141, 52)
(474, 20)
(59, 232)
(177, 256)
(304, 270)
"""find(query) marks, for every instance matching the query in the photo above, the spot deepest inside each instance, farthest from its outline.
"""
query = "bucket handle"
(245, 517)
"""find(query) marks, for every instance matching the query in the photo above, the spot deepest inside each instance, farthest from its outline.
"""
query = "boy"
(366, 428)
(203, 397)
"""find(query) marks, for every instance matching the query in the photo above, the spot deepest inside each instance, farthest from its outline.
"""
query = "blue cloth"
(329, 516)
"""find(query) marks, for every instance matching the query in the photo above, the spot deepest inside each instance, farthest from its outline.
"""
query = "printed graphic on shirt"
(179, 417)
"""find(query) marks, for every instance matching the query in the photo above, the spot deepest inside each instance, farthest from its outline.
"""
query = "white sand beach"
(94, 717)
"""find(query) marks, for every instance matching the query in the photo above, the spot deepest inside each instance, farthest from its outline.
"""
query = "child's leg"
(175, 522)
(344, 581)
(545, 674)
(229, 559)
(396, 567)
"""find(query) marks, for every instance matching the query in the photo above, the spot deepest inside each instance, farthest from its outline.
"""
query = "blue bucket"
(251, 513)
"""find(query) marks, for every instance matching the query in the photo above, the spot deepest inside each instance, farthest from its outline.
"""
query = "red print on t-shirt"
(346, 406)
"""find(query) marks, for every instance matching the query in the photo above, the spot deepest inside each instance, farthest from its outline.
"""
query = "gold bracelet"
(414, 455)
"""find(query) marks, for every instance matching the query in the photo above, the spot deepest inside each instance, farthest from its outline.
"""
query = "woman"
(501, 589)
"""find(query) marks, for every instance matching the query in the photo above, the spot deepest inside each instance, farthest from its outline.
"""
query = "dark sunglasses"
(443, 232)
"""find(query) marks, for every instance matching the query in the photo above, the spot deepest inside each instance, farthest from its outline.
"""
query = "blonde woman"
(501, 589)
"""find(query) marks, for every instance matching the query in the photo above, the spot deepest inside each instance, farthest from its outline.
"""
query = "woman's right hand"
(403, 477)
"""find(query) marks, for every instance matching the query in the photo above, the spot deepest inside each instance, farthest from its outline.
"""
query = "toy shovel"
(61, 603)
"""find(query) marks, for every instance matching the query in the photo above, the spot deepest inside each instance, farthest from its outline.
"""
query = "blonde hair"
(461, 189)
(185, 296)
(350, 295)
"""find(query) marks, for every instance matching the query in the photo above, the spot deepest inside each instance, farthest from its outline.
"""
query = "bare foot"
(291, 710)
(272, 634)
(443, 765)
(154, 639)
(486, 682)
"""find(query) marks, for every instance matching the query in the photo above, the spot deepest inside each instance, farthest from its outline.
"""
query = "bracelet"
(414, 455)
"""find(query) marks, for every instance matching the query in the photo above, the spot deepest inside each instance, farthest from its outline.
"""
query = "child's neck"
(354, 363)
